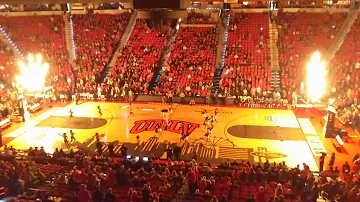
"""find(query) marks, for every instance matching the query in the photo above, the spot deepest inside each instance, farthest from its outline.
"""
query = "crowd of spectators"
(97, 36)
(247, 63)
(300, 35)
(344, 69)
(8, 64)
(344, 74)
(138, 61)
(101, 179)
(7, 71)
(44, 34)
(190, 68)
(46, 39)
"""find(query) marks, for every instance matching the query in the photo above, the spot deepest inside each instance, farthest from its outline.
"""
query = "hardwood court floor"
(244, 134)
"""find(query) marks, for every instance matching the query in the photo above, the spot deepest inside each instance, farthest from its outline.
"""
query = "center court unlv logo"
(174, 126)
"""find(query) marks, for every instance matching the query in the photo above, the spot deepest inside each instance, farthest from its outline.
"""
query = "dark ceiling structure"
(13, 2)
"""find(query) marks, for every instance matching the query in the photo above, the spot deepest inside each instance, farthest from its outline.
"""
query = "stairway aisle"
(124, 39)
(69, 37)
(221, 43)
(275, 82)
(164, 57)
(221, 52)
(339, 39)
(4, 37)
(274, 52)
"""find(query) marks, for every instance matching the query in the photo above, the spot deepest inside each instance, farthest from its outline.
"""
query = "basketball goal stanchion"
(213, 142)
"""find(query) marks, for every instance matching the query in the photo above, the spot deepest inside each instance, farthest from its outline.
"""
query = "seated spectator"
(290, 195)
(260, 195)
(279, 191)
(207, 195)
(250, 199)
(197, 195)
(84, 195)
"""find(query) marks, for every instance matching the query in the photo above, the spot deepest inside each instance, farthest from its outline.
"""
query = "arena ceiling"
(57, 1)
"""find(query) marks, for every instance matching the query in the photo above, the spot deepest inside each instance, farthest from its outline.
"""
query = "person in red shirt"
(84, 195)
(192, 181)
(202, 185)
(352, 195)
(236, 174)
(260, 196)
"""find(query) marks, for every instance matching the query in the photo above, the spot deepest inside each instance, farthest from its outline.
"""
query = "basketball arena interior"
(181, 100)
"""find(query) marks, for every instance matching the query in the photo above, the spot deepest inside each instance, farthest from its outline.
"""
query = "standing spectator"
(146, 193)
(110, 197)
(84, 195)
(192, 181)
(98, 195)
(303, 197)
(122, 177)
(169, 152)
(346, 168)
(29, 178)
(123, 150)
(352, 195)
(177, 153)
(321, 161)
(332, 160)
(314, 193)
(111, 149)
(99, 147)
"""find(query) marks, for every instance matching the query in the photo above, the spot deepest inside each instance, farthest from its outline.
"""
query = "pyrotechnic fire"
(316, 82)
(33, 73)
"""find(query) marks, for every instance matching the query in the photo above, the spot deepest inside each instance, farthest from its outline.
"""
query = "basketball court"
(252, 135)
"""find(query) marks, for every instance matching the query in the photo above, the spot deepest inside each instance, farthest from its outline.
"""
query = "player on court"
(131, 113)
(72, 136)
(71, 113)
(184, 135)
(77, 98)
(100, 112)
(207, 122)
(66, 141)
(214, 118)
(204, 113)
